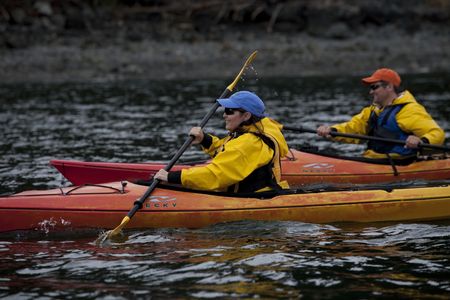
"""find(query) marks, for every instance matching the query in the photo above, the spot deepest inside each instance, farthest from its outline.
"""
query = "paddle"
(366, 137)
(138, 203)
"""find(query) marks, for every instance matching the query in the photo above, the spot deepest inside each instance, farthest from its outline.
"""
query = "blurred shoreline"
(51, 41)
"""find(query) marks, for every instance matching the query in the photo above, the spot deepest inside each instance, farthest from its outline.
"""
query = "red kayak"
(299, 168)
(104, 206)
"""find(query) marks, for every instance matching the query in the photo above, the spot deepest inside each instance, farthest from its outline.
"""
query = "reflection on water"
(148, 121)
(241, 259)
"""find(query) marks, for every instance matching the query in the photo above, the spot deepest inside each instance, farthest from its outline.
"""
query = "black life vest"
(266, 176)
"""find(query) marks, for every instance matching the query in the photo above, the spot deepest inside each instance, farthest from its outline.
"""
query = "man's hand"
(412, 141)
(324, 130)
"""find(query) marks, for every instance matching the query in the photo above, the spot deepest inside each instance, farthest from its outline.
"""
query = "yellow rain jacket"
(412, 119)
(235, 158)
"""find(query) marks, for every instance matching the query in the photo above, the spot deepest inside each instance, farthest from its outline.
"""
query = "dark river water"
(148, 121)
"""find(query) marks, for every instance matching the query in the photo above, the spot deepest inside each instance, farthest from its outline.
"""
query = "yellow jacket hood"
(272, 128)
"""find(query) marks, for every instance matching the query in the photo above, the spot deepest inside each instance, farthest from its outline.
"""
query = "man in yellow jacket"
(247, 160)
(394, 114)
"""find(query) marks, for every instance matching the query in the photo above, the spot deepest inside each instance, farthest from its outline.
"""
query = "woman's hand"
(161, 175)
(198, 135)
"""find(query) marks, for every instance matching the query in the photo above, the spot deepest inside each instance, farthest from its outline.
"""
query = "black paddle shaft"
(138, 203)
(366, 137)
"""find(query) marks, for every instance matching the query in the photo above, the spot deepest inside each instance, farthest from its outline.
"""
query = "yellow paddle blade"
(247, 63)
(118, 229)
(112, 233)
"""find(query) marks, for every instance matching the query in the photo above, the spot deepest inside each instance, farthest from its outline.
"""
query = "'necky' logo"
(161, 202)
(318, 167)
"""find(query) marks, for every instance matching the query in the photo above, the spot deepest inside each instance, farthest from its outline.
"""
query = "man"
(394, 114)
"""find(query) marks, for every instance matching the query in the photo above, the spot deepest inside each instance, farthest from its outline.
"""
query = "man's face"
(380, 92)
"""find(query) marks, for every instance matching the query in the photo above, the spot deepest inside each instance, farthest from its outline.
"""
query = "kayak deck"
(299, 168)
(104, 207)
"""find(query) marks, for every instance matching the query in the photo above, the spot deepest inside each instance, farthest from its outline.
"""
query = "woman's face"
(234, 117)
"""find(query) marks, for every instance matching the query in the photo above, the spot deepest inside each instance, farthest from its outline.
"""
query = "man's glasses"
(231, 111)
(375, 87)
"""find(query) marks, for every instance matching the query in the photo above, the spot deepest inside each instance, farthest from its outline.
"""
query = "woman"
(247, 160)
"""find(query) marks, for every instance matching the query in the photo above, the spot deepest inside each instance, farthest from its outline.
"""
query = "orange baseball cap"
(383, 74)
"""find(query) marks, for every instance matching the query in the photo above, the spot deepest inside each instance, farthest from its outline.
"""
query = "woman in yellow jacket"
(394, 114)
(247, 160)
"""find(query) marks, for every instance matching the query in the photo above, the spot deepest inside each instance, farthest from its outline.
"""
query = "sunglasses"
(231, 111)
(375, 87)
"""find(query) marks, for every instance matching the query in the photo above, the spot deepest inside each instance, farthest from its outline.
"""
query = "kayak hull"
(300, 168)
(105, 206)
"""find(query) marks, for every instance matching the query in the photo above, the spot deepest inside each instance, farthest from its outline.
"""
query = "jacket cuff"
(333, 129)
(174, 177)
(425, 140)
(207, 141)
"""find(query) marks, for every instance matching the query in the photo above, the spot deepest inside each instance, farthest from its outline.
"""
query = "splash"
(105, 238)
(249, 73)
(48, 225)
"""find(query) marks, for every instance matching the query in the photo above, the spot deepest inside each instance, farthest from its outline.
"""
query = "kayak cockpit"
(310, 189)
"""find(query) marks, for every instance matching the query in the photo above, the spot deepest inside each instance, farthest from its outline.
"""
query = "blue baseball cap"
(245, 100)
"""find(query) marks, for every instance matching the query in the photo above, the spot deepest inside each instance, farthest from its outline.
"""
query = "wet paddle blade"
(110, 234)
(246, 64)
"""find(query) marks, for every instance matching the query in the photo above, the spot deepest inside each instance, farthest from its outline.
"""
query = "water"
(237, 260)
(148, 121)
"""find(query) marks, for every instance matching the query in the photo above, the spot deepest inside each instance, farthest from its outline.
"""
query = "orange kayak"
(299, 168)
(104, 206)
